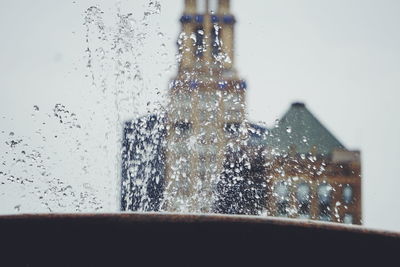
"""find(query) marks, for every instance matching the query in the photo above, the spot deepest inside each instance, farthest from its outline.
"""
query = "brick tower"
(207, 107)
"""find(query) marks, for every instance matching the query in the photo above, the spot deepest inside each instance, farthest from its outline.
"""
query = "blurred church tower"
(207, 106)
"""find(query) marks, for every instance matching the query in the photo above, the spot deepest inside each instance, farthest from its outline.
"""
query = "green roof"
(299, 129)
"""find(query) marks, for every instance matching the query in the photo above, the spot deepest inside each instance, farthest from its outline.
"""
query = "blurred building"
(204, 156)
(309, 173)
(207, 102)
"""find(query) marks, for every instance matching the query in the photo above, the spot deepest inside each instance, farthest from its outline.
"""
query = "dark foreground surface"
(131, 239)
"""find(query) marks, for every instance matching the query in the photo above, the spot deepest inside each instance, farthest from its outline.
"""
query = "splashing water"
(193, 151)
(59, 166)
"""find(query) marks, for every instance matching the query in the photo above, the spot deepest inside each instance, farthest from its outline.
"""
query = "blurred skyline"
(341, 58)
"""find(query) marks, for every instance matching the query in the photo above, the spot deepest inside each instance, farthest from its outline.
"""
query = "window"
(208, 104)
(216, 41)
(181, 105)
(348, 194)
(348, 218)
(324, 193)
(183, 100)
(199, 33)
(202, 166)
(303, 199)
(206, 117)
(233, 102)
(182, 129)
(233, 107)
(303, 193)
(282, 198)
(324, 197)
(232, 129)
(182, 166)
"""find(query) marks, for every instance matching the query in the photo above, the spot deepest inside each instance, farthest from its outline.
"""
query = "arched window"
(303, 200)
(324, 193)
(282, 198)
(303, 193)
(347, 194)
(325, 198)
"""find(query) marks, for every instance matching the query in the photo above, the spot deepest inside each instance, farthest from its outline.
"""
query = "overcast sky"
(342, 58)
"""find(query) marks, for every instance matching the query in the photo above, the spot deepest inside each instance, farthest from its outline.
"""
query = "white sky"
(342, 58)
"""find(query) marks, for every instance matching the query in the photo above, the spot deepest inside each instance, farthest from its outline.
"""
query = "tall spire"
(207, 106)
(206, 41)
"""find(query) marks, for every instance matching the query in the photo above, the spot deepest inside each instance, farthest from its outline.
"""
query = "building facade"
(207, 98)
(203, 156)
(310, 173)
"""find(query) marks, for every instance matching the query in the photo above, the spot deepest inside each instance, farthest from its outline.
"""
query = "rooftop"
(299, 129)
